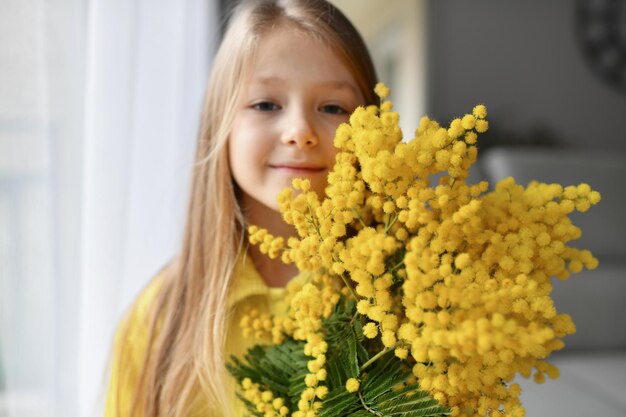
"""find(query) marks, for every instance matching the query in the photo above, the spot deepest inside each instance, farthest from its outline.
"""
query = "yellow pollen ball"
(402, 353)
(468, 122)
(480, 111)
(310, 380)
(278, 403)
(462, 261)
(482, 126)
(381, 90)
(370, 330)
(267, 396)
(352, 385)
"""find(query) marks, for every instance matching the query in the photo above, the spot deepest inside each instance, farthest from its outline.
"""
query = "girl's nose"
(299, 131)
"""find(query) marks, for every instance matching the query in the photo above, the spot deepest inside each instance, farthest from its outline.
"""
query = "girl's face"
(298, 93)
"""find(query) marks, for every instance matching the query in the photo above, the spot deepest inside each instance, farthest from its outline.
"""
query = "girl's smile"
(299, 168)
(297, 93)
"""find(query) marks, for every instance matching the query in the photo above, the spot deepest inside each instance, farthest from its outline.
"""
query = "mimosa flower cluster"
(455, 279)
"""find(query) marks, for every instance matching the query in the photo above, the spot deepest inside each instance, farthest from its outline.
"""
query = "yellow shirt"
(249, 288)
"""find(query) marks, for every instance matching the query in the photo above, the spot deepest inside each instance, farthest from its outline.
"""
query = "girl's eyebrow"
(339, 85)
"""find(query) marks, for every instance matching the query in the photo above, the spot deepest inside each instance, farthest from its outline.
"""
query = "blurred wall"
(521, 58)
(395, 34)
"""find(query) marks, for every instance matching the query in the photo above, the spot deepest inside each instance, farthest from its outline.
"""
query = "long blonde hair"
(188, 320)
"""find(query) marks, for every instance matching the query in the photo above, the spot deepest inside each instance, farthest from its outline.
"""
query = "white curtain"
(99, 108)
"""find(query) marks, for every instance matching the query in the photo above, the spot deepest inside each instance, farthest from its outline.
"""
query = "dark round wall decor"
(601, 33)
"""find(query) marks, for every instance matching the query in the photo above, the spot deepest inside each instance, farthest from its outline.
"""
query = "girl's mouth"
(298, 168)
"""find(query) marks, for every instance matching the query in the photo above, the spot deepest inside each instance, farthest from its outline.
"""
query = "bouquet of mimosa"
(426, 297)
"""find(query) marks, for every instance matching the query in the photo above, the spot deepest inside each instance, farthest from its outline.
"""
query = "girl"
(288, 72)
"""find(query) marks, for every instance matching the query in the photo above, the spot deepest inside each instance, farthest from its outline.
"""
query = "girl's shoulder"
(132, 342)
(144, 302)
(134, 329)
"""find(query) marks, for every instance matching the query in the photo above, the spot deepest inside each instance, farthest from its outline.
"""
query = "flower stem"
(313, 222)
(374, 358)
(390, 222)
(396, 266)
(358, 216)
(369, 409)
(345, 281)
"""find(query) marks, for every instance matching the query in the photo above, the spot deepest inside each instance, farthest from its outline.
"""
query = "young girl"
(287, 74)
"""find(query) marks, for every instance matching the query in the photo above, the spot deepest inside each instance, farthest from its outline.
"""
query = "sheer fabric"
(99, 107)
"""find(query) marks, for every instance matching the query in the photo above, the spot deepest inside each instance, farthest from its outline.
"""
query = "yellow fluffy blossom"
(352, 385)
(381, 90)
(265, 401)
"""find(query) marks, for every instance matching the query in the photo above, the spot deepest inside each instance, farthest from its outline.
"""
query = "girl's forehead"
(291, 52)
(289, 37)
(286, 30)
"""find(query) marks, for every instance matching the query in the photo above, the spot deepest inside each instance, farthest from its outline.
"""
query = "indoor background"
(99, 108)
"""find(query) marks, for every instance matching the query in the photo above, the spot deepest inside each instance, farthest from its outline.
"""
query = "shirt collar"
(247, 281)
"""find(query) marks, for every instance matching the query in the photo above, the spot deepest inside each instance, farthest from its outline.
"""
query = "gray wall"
(520, 58)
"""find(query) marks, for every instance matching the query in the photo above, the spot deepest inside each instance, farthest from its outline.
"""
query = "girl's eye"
(334, 109)
(266, 106)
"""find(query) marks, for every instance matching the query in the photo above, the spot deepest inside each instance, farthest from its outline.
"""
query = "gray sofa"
(593, 363)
